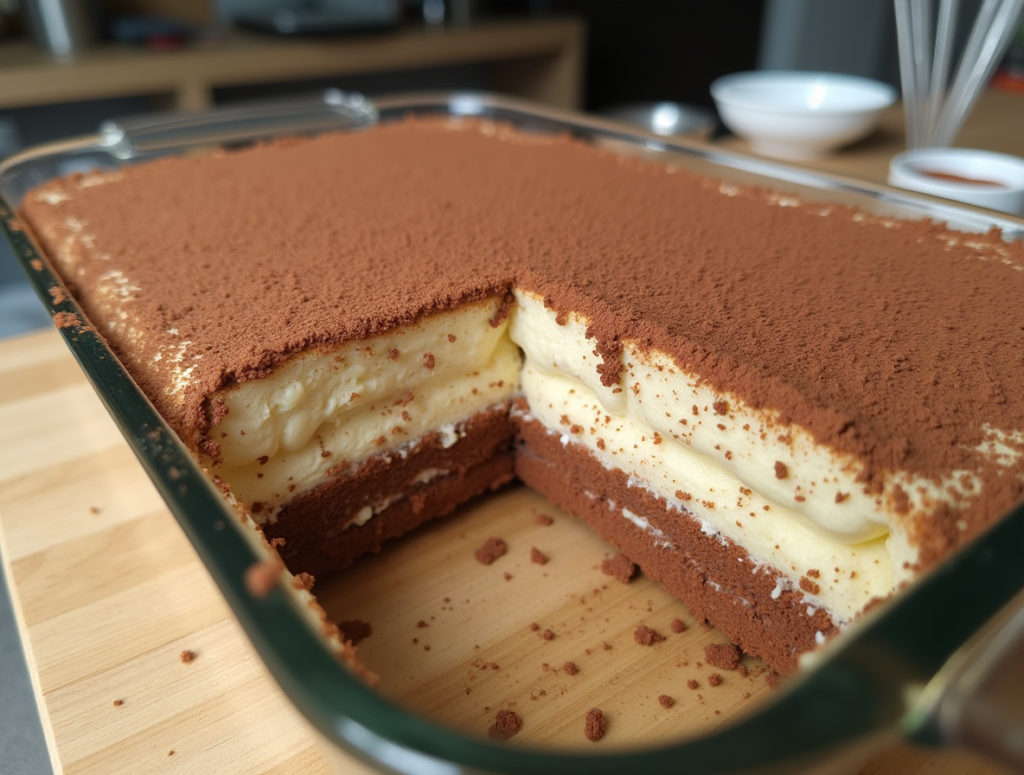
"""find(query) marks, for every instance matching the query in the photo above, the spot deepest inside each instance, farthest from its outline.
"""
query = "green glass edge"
(859, 689)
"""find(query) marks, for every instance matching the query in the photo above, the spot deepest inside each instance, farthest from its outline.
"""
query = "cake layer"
(357, 509)
(712, 575)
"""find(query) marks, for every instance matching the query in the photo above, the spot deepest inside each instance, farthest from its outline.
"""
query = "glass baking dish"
(919, 666)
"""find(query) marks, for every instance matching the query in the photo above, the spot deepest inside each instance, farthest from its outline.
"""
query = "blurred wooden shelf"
(537, 59)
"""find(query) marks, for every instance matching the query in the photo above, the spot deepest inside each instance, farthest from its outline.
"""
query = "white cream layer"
(283, 433)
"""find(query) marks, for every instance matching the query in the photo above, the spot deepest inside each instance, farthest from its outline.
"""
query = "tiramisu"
(780, 410)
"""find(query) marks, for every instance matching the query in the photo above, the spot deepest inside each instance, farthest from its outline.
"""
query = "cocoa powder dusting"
(859, 330)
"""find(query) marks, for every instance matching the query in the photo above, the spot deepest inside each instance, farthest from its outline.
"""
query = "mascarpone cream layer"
(328, 410)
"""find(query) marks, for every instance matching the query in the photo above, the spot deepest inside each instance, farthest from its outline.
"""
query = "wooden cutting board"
(108, 594)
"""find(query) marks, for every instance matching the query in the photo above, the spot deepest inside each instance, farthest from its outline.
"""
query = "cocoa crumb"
(723, 655)
(606, 646)
(814, 573)
(508, 576)
(537, 556)
(570, 668)
(691, 684)
(619, 567)
(506, 724)
(781, 471)
(677, 626)
(492, 549)
(393, 355)
(665, 701)
(261, 577)
(645, 636)
(118, 703)
(94, 510)
(809, 586)
(66, 320)
(171, 752)
(534, 626)
(772, 680)
(595, 725)
(422, 624)
(304, 581)
(549, 635)
(545, 520)
(714, 679)
(187, 656)
(355, 631)
(428, 360)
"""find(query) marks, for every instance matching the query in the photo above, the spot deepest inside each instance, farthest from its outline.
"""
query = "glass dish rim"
(862, 679)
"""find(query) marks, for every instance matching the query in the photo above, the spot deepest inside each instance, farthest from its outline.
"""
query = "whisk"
(935, 114)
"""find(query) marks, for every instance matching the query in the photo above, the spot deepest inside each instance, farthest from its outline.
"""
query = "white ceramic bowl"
(795, 115)
(983, 178)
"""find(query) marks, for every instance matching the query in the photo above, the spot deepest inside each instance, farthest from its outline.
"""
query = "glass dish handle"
(333, 109)
(982, 703)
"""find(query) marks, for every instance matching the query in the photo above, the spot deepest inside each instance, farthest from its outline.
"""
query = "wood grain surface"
(108, 593)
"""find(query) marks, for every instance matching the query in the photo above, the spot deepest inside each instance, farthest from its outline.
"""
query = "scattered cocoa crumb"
(277, 543)
(809, 586)
(595, 725)
(814, 573)
(261, 577)
(421, 624)
(94, 509)
(393, 355)
(171, 752)
(607, 646)
(506, 724)
(427, 647)
(304, 581)
(570, 668)
(534, 626)
(781, 472)
(428, 360)
(714, 679)
(723, 655)
(36, 264)
(741, 669)
(355, 631)
(545, 520)
(665, 701)
(187, 656)
(772, 680)
(66, 320)
(537, 556)
(677, 626)
(495, 666)
(508, 576)
(645, 636)
(118, 703)
(549, 635)
(691, 684)
(492, 549)
(620, 567)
